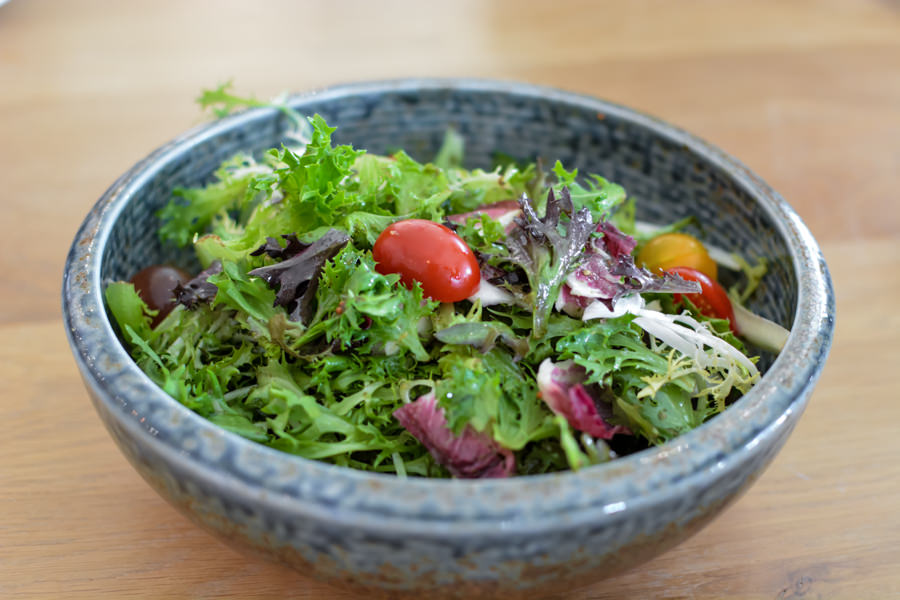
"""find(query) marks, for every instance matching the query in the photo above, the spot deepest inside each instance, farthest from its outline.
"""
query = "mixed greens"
(567, 354)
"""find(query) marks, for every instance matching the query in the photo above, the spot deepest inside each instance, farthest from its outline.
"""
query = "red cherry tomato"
(427, 252)
(712, 300)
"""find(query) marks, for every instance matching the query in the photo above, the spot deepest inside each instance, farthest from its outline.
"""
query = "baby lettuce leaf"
(359, 308)
(222, 102)
(595, 193)
(198, 289)
(548, 248)
(298, 276)
(194, 211)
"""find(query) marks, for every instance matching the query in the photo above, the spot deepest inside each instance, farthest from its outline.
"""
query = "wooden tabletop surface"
(806, 93)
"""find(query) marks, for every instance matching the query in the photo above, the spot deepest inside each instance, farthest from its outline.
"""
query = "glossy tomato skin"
(427, 252)
(670, 250)
(712, 300)
(155, 284)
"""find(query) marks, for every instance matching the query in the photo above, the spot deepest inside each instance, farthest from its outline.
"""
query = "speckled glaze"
(512, 538)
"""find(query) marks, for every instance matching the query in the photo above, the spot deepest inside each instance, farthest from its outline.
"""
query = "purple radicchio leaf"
(297, 277)
(504, 211)
(562, 389)
(613, 242)
(469, 455)
(608, 272)
(198, 289)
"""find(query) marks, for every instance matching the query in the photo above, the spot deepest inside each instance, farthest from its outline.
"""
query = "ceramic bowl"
(525, 536)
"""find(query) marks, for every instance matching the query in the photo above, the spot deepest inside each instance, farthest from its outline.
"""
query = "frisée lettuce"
(568, 355)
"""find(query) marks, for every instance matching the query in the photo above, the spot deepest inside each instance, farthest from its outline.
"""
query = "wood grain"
(806, 93)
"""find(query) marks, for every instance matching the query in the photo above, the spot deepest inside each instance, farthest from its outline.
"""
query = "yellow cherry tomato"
(671, 250)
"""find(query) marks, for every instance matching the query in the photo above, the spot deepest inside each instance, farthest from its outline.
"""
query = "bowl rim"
(766, 413)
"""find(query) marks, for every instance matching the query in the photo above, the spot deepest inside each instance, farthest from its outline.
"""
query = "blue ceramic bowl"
(498, 538)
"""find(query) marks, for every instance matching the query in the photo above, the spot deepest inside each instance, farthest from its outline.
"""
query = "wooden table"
(806, 93)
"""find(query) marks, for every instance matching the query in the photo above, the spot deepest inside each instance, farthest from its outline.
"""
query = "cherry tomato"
(676, 250)
(155, 284)
(712, 300)
(427, 252)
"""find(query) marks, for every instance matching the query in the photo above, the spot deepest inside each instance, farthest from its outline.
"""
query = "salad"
(426, 319)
